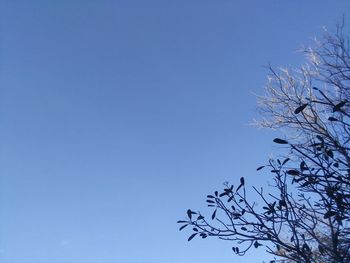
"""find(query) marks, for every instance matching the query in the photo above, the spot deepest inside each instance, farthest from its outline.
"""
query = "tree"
(306, 217)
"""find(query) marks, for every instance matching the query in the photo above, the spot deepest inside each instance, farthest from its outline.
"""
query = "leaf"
(203, 235)
(183, 227)
(293, 172)
(330, 153)
(306, 247)
(339, 105)
(242, 180)
(181, 221)
(303, 166)
(236, 215)
(285, 161)
(192, 236)
(320, 138)
(305, 184)
(210, 196)
(329, 214)
(200, 217)
(260, 167)
(332, 119)
(213, 215)
(244, 228)
(189, 213)
(300, 108)
(257, 244)
(210, 201)
(223, 194)
(282, 203)
(280, 141)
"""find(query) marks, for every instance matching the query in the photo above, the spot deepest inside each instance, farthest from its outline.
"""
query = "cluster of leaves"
(307, 216)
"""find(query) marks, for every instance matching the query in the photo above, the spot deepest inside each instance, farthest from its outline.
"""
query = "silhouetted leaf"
(257, 244)
(260, 167)
(280, 141)
(306, 247)
(213, 215)
(293, 172)
(300, 108)
(181, 221)
(242, 180)
(329, 214)
(330, 153)
(285, 161)
(192, 236)
(303, 166)
(306, 184)
(320, 138)
(282, 203)
(183, 227)
(339, 105)
(203, 235)
(223, 194)
(200, 217)
(332, 119)
(189, 213)
(210, 196)
(236, 215)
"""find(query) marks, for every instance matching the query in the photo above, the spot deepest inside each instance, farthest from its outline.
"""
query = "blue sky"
(118, 116)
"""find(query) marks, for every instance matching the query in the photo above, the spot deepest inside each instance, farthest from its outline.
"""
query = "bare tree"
(307, 215)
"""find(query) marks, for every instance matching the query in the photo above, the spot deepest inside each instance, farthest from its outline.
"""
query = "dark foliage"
(306, 217)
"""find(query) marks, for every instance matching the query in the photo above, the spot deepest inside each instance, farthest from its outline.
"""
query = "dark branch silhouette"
(306, 215)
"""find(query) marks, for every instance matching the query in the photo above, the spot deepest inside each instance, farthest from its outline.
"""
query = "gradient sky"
(118, 116)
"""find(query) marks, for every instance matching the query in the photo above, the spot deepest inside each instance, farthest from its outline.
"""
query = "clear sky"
(118, 116)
